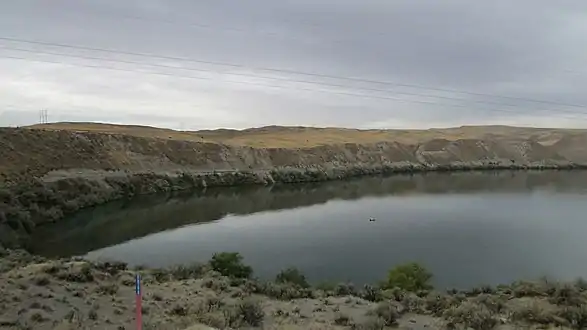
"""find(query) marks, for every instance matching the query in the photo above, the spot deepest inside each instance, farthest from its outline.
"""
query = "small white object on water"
(371, 219)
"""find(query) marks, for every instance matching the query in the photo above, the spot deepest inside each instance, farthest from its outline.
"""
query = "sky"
(207, 64)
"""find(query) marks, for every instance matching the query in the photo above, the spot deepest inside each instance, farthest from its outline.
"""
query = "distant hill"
(300, 137)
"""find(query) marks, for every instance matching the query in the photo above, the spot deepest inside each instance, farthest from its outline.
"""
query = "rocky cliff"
(46, 173)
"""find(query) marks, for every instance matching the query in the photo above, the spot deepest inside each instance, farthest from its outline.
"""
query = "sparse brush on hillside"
(237, 300)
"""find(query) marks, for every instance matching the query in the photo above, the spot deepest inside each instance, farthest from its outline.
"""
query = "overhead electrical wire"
(271, 86)
(265, 77)
(312, 74)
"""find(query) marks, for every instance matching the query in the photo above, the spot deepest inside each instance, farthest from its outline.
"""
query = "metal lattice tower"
(43, 116)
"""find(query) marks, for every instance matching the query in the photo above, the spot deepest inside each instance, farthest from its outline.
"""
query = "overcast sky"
(529, 49)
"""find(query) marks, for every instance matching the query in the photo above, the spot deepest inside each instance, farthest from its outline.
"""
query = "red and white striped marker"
(139, 302)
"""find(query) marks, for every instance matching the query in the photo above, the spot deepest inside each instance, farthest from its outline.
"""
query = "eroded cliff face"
(45, 174)
(26, 153)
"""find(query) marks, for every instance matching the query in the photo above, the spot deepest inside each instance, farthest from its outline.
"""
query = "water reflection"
(122, 221)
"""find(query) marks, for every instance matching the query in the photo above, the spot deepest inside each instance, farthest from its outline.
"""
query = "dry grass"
(36, 293)
(134, 130)
(298, 137)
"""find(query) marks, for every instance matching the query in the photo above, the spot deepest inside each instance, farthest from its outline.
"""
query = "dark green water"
(467, 228)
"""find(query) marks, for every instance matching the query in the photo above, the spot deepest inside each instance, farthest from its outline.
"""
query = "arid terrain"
(304, 137)
(52, 151)
(49, 171)
(75, 294)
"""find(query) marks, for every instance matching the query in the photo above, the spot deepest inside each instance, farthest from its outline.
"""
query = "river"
(468, 229)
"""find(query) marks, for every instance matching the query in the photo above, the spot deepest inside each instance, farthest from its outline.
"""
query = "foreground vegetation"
(223, 293)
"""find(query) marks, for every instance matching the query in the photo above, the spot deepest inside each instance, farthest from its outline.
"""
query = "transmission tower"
(43, 116)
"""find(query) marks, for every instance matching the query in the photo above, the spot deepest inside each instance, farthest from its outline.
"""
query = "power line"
(269, 78)
(273, 86)
(262, 32)
(312, 74)
(198, 25)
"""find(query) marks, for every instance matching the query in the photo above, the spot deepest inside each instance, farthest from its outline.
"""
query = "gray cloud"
(528, 49)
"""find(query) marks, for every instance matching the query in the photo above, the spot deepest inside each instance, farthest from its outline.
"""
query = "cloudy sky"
(188, 64)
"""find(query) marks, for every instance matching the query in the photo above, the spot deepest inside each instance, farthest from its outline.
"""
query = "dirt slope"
(39, 150)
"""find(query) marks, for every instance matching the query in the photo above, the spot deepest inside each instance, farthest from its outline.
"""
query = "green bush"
(410, 277)
(293, 276)
(230, 264)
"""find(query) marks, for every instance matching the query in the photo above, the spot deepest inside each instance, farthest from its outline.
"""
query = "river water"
(467, 228)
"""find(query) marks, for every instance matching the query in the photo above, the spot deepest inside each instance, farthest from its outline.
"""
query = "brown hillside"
(42, 149)
(301, 137)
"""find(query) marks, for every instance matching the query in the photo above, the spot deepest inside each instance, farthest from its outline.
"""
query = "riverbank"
(37, 293)
(46, 174)
(125, 220)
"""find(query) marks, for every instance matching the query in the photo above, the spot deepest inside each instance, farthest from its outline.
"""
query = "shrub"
(496, 304)
(284, 291)
(160, 275)
(413, 303)
(371, 293)
(252, 313)
(79, 274)
(567, 295)
(342, 319)
(372, 323)
(437, 303)
(178, 310)
(42, 280)
(345, 289)
(219, 319)
(410, 277)
(576, 315)
(112, 267)
(230, 264)
(396, 294)
(107, 289)
(471, 315)
(217, 284)
(293, 276)
(532, 313)
(326, 286)
(529, 289)
(387, 312)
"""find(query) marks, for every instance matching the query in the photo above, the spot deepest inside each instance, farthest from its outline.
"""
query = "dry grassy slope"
(303, 137)
(41, 149)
